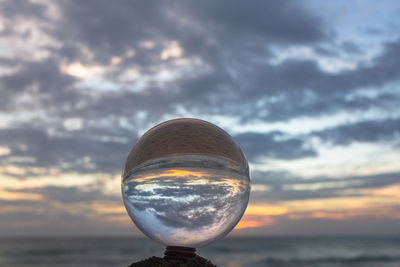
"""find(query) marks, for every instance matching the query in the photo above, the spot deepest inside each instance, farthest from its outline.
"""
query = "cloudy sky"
(309, 89)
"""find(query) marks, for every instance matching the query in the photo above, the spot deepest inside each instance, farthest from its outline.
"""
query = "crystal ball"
(186, 183)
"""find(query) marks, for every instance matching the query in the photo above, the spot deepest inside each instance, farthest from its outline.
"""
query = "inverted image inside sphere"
(186, 200)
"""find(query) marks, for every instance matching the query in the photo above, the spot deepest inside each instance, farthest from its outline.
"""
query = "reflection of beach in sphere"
(186, 200)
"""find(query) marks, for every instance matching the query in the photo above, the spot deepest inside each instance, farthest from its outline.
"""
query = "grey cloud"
(70, 194)
(127, 104)
(240, 72)
(21, 8)
(18, 203)
(109, 30)
(374, 31)
(274, 145)
(326, 52)
(112, 29)
(350, 47)
(283, 185)
(293, 75)
(301, 87)
(309, 104)
(279, 21)
(44, 219)
(277, 179)
(66, 151)
(365, 131)
(43, 81)
(124, 25)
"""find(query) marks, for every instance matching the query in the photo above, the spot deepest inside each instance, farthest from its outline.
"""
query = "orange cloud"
(389, 191)
(6, 195)
(259, 215)
(181, 173)
(102, 208)
(264, 210)
(249, 224)
(251, 221)
(170, 173)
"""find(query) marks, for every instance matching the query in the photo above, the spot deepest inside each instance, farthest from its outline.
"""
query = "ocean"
(231, 252)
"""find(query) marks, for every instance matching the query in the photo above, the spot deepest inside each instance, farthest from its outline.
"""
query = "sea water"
(228, 252)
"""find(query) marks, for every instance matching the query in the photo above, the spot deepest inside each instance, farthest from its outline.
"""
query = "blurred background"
(309, 89)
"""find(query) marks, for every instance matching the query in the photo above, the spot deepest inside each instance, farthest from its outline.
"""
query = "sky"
(310, 90)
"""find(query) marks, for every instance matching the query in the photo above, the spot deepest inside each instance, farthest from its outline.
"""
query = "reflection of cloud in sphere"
(186, 200)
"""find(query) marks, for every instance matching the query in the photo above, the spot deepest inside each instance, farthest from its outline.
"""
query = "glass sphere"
(186, 183)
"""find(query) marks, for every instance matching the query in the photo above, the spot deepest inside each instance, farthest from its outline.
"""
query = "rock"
(197, 261)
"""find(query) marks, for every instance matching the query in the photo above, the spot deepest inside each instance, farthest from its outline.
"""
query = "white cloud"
(73, 124)
(327, 64)
(147, 44)
(130, 74)
(340, 161)
(304, 125)
(115, 60)
(171, 50)
(52, 10)
(34, 46)
(79, 70)
(4, 151)
(130, 53)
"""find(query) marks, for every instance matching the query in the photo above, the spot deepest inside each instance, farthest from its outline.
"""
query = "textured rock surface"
(160, 262)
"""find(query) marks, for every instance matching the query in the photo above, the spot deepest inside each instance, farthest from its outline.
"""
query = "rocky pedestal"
(196, 261)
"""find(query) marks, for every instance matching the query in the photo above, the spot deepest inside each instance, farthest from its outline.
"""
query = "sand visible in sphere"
(183, 136)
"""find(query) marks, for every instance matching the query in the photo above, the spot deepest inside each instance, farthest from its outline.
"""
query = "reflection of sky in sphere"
(188, 200)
